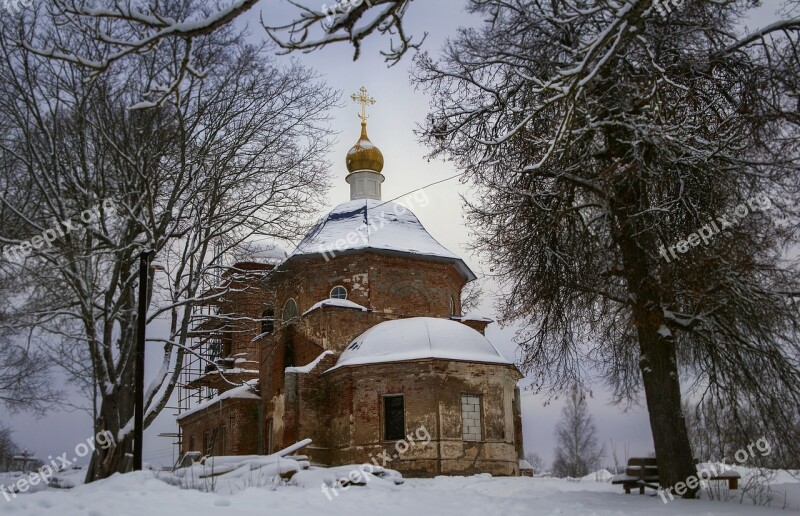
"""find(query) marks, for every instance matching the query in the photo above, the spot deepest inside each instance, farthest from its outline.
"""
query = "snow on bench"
(642, 472)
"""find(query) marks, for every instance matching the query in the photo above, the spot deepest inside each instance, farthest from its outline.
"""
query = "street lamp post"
(145, 265)
(141, 324)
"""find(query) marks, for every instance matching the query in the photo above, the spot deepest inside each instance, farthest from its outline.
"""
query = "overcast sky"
(392, 121)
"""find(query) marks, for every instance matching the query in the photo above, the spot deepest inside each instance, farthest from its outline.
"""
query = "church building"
(356, 340)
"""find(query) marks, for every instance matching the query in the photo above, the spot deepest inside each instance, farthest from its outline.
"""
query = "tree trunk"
(662, 389)
(116, 459)
(116, 410)
(658, 362)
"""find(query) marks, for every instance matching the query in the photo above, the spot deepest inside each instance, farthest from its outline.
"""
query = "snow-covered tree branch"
(345, 21)
(600, 136)
(222, 159)
(122, 30)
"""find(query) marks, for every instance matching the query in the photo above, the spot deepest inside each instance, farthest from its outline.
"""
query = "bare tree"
(222, 159)
(714, 438)
(578, 452)
(8, 449)
(536, 461)
(113, 35)
(120, 32)
(471, 296)
(26, 379)
(315, 27)
(619, 466)
(26, 382)
(600, 137)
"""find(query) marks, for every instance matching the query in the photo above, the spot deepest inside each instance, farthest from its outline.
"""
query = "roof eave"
(461, 266)
(424, 359)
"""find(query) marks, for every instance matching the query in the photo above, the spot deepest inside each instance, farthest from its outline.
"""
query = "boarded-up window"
(393, 418)
(471, 417)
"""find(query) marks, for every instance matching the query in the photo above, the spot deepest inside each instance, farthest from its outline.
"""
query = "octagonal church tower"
(362, 347)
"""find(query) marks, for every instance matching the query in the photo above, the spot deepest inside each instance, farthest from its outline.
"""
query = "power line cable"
(423, 187)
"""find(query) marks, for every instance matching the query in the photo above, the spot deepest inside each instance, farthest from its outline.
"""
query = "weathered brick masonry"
(398, 273)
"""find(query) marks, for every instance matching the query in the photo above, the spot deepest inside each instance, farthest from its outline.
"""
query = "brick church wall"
(355, 403)
(342, 411)
(246, 300)
(415, 288)
(398, 286)
(238, 418)
(335, 327)
(312, 399)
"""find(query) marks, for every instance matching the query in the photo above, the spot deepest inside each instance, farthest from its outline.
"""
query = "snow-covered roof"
(234, 370)
(309, 367)
(478, 318)
(419, 338)
(342, 303)
(245, 391)
(368, 224)
(261, 252)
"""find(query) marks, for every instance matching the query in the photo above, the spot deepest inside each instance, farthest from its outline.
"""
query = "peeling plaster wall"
(432, 392)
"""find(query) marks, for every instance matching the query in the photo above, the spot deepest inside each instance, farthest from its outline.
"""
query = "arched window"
(289, 310)
(338, 292)
(267, 321)
(453, 306)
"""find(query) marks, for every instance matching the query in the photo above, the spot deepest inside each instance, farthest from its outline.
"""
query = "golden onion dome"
(364, 155)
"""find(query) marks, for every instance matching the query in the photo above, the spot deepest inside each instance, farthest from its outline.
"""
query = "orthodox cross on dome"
(364, 99)
(365, 160)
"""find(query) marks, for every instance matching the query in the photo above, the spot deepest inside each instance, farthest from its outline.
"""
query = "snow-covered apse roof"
(419, 338)
(367, 224)
(245, 391)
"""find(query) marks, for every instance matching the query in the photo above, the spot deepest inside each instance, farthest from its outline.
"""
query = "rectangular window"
(471, 417)
(394, 424)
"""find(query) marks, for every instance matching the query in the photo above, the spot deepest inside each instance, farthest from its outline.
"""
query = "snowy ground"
(142, 494)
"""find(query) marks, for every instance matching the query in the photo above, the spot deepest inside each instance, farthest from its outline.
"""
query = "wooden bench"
(731, 476)
(642, 472)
